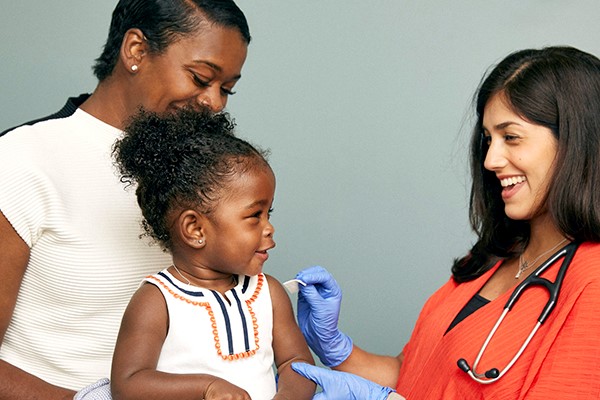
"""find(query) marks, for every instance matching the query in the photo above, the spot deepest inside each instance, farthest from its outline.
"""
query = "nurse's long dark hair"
(559, 88)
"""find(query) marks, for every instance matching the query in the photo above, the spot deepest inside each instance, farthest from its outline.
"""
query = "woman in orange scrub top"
(535, 164)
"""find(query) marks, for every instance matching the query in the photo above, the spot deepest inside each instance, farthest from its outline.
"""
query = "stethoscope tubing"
(534, 279)
(552, 287)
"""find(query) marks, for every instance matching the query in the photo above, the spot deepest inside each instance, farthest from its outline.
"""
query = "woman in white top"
(71, 256)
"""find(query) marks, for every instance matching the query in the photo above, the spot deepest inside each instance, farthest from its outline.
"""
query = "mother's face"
(198, 70)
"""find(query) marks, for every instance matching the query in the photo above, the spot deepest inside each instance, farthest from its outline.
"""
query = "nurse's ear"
(191, 228)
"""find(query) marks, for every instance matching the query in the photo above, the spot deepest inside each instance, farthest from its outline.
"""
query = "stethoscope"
(492, 375)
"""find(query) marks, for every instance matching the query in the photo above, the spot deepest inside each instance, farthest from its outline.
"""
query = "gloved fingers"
(313, 269)
(342, 385)
(309, 293)
(320, 278)
(314, 275)
(316, 374)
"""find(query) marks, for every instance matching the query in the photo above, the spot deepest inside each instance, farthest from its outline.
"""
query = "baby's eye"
(258, 214)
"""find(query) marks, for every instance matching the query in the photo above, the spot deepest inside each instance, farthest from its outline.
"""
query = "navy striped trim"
(188, 292)
(227, 321)
(243, 318)
(246, 283)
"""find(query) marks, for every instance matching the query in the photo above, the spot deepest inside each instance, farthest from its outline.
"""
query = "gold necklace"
(525, 265)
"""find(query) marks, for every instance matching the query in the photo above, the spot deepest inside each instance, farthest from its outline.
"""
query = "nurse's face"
(522, 155)
(198, 70)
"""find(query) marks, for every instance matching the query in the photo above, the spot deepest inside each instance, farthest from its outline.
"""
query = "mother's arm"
(16, 384)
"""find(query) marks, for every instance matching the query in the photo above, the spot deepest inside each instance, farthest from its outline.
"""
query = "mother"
(71, 254)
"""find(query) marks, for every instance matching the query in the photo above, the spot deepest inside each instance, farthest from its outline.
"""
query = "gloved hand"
(338, 385)
(318, 312)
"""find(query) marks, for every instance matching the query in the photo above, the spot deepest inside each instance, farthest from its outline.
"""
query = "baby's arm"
(134, 375)
(289, 346)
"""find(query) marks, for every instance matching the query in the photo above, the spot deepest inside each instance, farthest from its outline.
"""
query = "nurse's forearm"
(380, 369)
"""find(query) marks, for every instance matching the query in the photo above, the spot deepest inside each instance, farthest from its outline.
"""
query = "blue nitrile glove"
(318, 312)
(338, 385)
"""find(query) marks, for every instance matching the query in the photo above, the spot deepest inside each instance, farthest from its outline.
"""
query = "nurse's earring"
(134, 68)
(200, 241)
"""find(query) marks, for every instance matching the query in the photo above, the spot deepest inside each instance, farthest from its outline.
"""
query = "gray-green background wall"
(365, 106)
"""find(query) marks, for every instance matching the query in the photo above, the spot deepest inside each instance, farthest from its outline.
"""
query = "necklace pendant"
(522, 268)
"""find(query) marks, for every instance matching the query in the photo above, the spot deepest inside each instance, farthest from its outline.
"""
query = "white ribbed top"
(60, 191)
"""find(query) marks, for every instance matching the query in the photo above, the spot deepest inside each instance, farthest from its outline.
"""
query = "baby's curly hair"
(181, 160)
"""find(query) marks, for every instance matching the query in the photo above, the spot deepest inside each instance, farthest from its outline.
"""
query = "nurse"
(535, 169)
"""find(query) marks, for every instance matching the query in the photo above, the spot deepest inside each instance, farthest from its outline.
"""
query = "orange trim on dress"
(211, 314)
